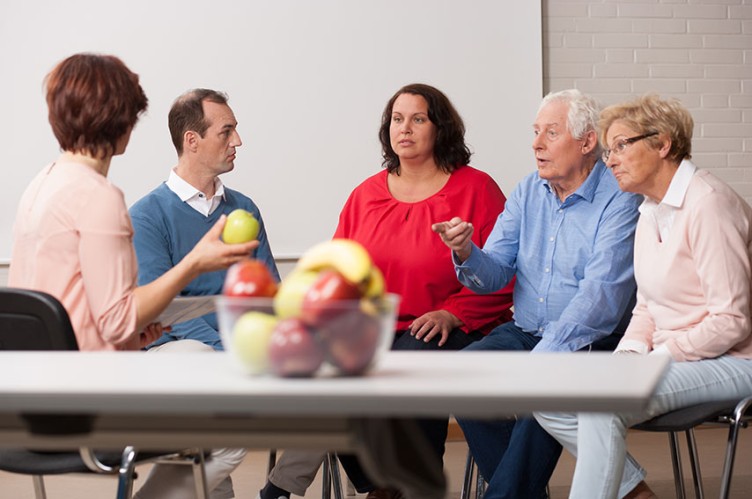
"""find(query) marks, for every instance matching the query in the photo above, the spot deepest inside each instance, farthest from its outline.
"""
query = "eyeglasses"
(621, 145)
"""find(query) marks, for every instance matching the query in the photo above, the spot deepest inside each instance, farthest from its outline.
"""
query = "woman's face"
(634, 164)
(412, 135)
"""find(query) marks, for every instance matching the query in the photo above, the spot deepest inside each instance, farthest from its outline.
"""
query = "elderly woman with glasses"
(692, 267)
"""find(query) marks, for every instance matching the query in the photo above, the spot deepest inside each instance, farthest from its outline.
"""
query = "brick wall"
(699, 51)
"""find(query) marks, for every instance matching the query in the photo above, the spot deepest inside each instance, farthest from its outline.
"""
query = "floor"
(649, 448)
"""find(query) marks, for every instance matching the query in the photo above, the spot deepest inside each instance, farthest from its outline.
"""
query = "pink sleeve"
(718, 241)
(641, 325)
(108, 266)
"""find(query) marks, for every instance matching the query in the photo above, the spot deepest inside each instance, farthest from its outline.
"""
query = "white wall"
(307, 80)
(699, 51)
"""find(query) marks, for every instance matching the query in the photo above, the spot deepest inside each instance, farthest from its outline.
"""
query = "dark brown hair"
(187, 113)
(93, 101)
(450, 150)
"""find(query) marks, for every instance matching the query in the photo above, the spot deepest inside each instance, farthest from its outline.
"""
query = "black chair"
(734, 413)
(33, 320)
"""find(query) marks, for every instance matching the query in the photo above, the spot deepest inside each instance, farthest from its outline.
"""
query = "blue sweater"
(166, 229)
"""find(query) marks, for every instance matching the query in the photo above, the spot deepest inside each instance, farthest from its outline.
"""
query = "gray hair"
(583, 112)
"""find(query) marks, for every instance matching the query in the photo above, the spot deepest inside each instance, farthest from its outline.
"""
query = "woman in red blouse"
(426, 179)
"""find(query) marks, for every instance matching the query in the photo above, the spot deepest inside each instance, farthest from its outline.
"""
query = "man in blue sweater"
(171, 219)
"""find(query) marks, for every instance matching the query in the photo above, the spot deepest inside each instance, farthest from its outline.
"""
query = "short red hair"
(93, 101)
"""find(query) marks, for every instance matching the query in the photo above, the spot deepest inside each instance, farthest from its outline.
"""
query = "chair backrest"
(34, 320)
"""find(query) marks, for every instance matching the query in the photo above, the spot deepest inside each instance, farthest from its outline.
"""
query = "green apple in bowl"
(241, 227)
(250, 340)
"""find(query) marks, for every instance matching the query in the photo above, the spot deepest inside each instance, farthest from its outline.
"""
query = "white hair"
(583, 112)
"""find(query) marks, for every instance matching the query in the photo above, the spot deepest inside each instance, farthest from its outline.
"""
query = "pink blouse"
(693, 286)
(72, 238)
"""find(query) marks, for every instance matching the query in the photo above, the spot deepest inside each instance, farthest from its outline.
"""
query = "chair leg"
(676, 462)
(336, 479)
(467, 481)
(728, 464)
(694, 461)
(199, 475)
(326, 480)
(125, 474)
(39, 491)
(272, 461)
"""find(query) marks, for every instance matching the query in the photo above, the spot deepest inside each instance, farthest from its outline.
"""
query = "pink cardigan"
(72, 238)
(693, 288)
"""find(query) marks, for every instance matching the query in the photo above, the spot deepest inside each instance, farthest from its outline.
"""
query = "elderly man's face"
(560, 157)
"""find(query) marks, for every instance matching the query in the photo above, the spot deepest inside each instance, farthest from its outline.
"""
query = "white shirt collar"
(677, 189)
(662, 214)
(195, 198)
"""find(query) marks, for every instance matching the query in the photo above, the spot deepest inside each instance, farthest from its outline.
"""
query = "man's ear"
(190, 141)
(589, 142)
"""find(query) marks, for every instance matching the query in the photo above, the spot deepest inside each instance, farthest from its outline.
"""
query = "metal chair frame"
(736, 415)
(45, 325)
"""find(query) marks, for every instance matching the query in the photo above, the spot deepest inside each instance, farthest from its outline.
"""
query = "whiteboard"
(307, 80)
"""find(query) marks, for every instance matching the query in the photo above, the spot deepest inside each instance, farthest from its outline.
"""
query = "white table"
(158, 401)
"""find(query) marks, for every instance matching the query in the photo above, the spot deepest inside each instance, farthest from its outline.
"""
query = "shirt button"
(547, 269)
(551, 238)
(560, 210)
(540, 329)
(540, 300)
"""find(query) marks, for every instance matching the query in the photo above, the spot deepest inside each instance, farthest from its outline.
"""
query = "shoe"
(385, 494)
(258, 496)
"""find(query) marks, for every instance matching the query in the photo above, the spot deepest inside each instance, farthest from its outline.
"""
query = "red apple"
(351, 340)
(249, 278)
(326, 297)
(293, 350)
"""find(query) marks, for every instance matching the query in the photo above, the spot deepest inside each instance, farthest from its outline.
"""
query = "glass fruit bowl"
(283, 337)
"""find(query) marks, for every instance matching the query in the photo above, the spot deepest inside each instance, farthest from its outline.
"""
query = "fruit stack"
(332, 309)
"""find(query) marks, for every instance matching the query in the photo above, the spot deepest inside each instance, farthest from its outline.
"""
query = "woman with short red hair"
(72, 234)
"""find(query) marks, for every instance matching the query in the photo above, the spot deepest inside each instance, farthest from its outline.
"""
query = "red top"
(416, 264)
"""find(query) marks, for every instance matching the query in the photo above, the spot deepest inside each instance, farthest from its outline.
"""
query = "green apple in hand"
(250, 340)
(240, 227)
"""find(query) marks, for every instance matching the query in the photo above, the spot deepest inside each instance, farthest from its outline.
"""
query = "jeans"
(604, 469)
(515, 456)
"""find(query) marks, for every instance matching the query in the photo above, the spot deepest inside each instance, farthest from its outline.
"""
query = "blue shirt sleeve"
(493, 267)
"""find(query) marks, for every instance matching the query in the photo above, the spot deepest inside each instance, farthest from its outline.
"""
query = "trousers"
(604, 469)
(175, 481)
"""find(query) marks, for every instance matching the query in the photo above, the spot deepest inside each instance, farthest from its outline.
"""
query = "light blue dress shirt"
(573, 259)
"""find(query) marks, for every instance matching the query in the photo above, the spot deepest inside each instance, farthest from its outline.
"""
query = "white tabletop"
(404, 384)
